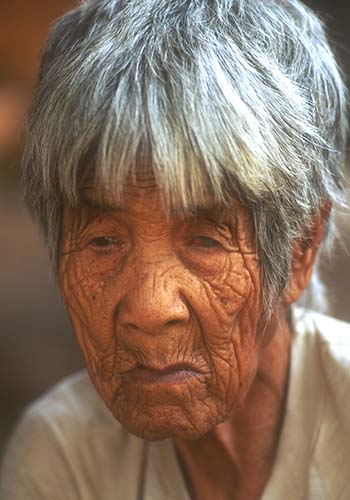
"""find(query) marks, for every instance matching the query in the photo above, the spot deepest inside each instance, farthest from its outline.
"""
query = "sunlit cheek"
(245, 331)
(228, 290)
(230, 327)
(90, 295)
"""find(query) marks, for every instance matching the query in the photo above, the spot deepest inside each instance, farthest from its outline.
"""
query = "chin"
(163, 423)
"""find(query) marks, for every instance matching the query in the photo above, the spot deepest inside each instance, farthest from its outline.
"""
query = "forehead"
(145, 195)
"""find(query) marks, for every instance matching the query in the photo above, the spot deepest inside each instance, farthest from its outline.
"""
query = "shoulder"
(69, 416)
(331, 336)
(329, 339)
(331, 330)
(324, 343)
(59, 441)
(75, 400)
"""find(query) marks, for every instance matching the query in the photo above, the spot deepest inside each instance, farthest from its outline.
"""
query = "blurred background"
(37, 346)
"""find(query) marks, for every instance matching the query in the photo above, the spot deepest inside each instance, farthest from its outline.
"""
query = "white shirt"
(68, 446)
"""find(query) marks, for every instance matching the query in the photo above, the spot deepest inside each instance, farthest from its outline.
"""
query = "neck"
(235, 459)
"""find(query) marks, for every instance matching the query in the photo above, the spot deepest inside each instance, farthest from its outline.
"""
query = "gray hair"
(231, 99)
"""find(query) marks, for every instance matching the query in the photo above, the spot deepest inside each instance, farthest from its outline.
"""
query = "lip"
(171, 374)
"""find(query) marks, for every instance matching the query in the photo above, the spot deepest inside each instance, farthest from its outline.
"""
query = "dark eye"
(205, 242)
(104, 242)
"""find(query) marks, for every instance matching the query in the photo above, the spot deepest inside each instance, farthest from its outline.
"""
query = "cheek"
(228, 295)
(228, 311)
(90, 296)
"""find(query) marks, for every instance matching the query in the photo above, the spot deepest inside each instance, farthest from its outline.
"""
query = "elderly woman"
(183, 158)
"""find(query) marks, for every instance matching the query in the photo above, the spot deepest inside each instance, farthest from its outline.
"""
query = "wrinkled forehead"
(134, 186)
(143, 189)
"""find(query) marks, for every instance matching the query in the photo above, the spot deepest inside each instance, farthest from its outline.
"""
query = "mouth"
(172, 374)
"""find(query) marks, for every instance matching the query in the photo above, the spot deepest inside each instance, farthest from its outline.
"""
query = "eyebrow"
(214, 212)
(100, 205)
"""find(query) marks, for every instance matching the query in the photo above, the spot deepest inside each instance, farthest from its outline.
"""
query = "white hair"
(227, 99)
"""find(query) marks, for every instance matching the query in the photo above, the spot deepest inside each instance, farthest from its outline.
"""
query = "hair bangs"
(146, 135)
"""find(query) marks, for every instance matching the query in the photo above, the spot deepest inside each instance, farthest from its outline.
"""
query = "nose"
(153, 304)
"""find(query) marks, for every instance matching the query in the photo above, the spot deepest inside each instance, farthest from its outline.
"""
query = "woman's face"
(146, 292)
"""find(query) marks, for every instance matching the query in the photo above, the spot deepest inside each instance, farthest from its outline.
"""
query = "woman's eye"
(104, 242)
(205, 242)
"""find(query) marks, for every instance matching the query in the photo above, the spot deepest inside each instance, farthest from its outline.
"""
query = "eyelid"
(218, 232)
(110, 239)
(116, 240)
(114, 246)
(206, 229)
(103, 225)
(216, 241)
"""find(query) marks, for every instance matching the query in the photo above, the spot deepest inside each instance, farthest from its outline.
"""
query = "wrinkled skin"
(161, 292)
(142, 288)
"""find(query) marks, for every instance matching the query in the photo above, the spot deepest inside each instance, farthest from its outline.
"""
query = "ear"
(304, 256)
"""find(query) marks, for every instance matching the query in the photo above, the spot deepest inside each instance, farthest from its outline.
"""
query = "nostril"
(172, 322)
(131, 327)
